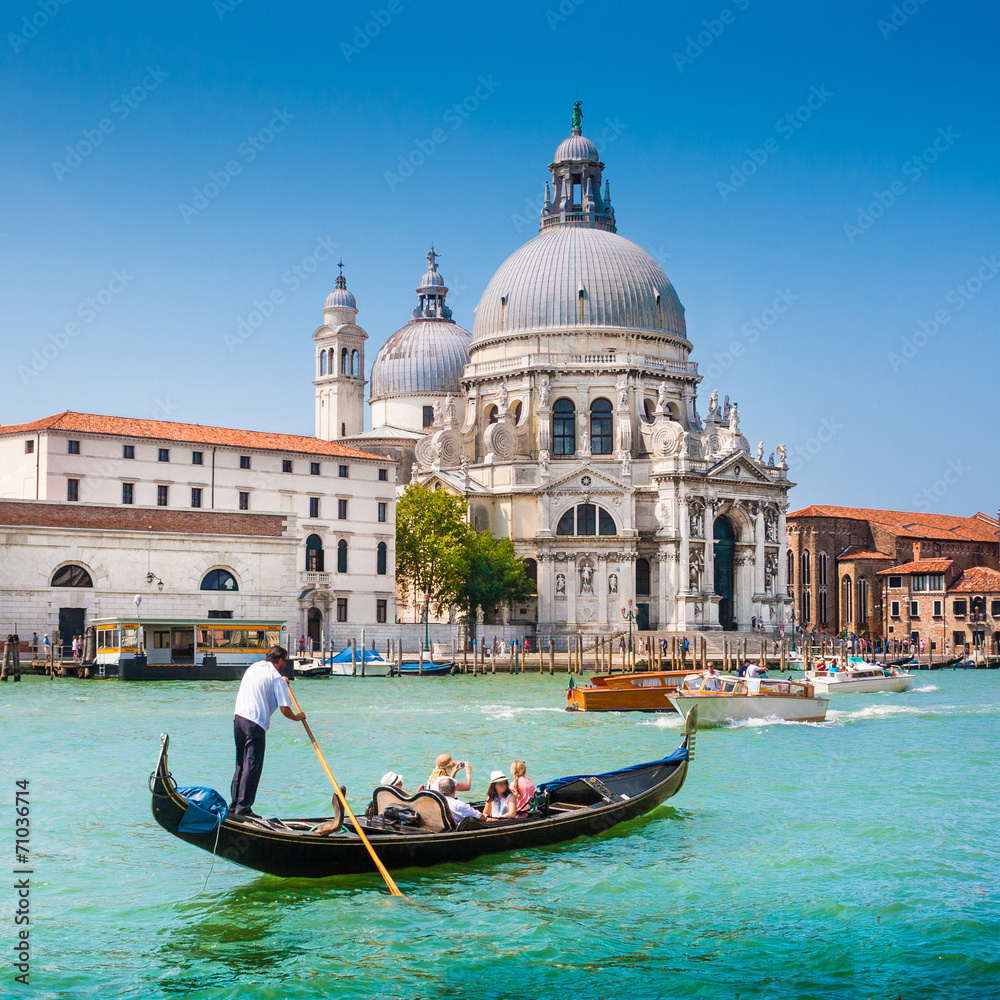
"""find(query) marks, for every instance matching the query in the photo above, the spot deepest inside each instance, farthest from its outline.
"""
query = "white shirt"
(753, 670)
(261, 691)
(460, 809)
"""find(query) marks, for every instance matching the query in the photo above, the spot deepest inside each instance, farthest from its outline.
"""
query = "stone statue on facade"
(626, 464)
(480, 617)
(734, 419)
(577, 119)
(502, 397)
(661, 396)
(781, 456)
(543, 390)
(725, 409)
(694, 574)
(437, 412)
(560, 583)
(584, 443)
(586, 578)
(450, 414)
(694, 524)
(613, 583)
(770, 461)
(760, 452)
(622, 395)
(713, 402)
(505, 612)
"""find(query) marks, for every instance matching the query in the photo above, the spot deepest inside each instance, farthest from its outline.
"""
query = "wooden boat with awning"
(418, 830)
(638, 692)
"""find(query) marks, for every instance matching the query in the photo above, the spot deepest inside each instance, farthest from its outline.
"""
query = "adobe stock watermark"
(247, 151)
(930, 495)
(365, 34)
(751, 331)
(786, 126)
(914, 169)
(957, 299)
(711, 30)
(87, 311)
(224, 7)
(565, 10)
(899, 14)
(121, 107)
(292, 279)
(455, 117)
(31, 25)
(799, 455)
(532, 209)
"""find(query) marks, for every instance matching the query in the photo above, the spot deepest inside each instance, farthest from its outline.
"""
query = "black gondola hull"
(290, 854)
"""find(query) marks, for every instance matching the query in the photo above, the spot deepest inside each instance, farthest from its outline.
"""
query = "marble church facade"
(570, 420)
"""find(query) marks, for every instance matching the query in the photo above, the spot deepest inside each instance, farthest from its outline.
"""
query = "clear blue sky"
(865, 424)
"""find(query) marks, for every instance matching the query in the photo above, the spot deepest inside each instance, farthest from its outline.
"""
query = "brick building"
(947, 609)
(836, 557)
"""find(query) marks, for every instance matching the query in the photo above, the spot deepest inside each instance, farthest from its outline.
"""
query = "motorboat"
(308, 666)
(363, 663)
(721, 699)
(858, 676)
(419, 829)
(635, 692)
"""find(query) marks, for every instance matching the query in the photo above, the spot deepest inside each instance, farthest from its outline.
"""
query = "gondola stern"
(691, 731)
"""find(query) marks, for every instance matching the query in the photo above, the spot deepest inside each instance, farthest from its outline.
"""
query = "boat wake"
(925, 689)
(872, 712)
(664, 722)
(771, 720)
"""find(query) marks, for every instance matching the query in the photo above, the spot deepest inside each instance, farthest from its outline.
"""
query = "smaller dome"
(341, 298)
(432, 279)
(576, 147)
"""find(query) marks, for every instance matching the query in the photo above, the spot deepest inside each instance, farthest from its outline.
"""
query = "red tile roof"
(165, 430)
(978, 528)
(920, 566)
(978, 579)
(857, 552)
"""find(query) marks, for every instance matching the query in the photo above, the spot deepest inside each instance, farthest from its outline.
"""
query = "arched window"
(845, 599)
(342, 556)
(332, 367)
(493, 413)
(791, 570)
(314, 554)
(586, 519)
(804, 568)
(805, 612)
(344, 362)
(71, 576)
(601, 427)
(322, 362)
(862, 618)
(649, 407)
(219, 579)
(564, 427)
(518, 408)
(821, 564)
(355, 363)
(381, 559)
(531, 571)
(642, 577)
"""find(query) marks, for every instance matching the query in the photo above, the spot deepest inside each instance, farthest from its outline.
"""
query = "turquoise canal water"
(858, 858)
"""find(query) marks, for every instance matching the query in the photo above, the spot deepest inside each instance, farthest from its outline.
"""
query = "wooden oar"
(393, 888)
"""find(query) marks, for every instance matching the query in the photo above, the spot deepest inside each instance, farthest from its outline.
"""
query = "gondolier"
(262, 690)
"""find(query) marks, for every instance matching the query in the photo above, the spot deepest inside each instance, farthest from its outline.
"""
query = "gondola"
(417, 830)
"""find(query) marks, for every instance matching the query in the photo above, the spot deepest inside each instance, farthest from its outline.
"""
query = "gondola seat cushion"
(431, 808)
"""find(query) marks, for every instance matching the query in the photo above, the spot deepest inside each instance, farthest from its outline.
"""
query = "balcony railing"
(610, 359)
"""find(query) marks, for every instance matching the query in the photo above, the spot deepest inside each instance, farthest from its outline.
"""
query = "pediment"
(585, 479)
(739, 467)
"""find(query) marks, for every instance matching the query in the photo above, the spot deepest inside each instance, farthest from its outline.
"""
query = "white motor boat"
(722, 699)
(857, 677)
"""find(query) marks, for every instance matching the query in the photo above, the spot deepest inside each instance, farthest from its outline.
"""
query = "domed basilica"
(569, 419)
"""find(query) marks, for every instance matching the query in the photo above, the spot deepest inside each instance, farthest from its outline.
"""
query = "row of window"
(959, 608)
(197, 497)
(350, 363)
(381, 609)
(804, 566)
(315, 556)
(564, 427)
(586, 519)
(76, 576)
(198, 458)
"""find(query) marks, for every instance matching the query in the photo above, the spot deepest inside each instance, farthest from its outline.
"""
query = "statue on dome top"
(577, 115)
(432, 258)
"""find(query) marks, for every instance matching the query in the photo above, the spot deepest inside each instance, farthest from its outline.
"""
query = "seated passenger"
(501, 802)
(459, 810)
(393, 780)
(712, 680)
(445, 767)
(523, 787)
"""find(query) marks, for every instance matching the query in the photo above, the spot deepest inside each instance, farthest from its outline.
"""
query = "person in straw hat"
(445, 767)
(501, 802)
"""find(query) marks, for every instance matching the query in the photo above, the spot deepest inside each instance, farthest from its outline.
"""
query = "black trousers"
(250, 739)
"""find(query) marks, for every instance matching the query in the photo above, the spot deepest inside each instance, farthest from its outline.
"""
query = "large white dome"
(543, 285)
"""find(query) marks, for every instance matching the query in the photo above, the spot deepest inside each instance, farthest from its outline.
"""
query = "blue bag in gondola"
(205, 812)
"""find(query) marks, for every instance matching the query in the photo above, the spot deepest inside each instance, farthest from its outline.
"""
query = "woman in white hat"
(501, 802)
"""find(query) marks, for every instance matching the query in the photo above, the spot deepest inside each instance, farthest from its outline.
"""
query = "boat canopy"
(364, 655)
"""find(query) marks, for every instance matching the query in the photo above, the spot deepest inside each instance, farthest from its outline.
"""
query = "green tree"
(432, 538)
(496, 576)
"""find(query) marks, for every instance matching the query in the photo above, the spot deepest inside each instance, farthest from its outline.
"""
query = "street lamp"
(629, 615)
(977, 617)
(138, 619)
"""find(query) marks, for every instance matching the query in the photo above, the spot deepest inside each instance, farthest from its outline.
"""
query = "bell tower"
(340, 366)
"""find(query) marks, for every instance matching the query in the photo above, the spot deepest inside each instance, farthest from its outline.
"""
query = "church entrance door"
(724, 558)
